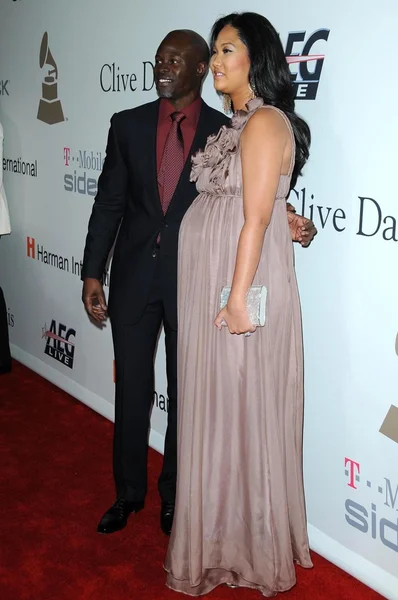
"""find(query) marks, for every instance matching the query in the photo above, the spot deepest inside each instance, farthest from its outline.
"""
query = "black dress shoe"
(116, 517)
(166, 517)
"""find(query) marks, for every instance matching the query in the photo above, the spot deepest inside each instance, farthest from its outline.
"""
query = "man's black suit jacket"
(128, 197)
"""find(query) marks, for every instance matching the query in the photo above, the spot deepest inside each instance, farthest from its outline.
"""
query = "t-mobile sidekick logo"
(84, 163)
(305, 61)
(366, 519)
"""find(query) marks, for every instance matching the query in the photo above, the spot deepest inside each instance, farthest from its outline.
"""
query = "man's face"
(178, 71)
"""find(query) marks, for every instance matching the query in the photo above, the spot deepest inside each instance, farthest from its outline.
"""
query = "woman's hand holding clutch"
(236, 318)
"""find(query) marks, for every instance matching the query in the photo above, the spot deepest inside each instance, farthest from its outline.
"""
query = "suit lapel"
(149, 135)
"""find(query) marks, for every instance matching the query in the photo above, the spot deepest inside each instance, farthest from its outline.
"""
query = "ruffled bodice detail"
(217, 169)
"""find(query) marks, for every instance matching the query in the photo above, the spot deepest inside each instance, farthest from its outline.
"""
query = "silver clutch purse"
(255, 303)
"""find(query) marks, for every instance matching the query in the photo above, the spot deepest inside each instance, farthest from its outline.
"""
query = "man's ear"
(202, 68)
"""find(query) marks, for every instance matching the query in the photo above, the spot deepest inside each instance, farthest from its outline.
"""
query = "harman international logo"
(47, 256)
(50, 109)
(20, 167)
(305, 64)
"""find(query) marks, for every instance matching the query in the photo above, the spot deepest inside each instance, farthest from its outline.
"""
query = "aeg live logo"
(305, 65)
(58, 343)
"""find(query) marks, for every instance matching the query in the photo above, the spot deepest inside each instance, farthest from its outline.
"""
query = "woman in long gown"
(240, 513)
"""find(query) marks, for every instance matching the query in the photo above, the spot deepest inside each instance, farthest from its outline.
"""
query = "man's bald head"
(192, 40)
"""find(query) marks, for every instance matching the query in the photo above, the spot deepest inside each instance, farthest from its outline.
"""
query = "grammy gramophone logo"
(50, 109)
(390, 424)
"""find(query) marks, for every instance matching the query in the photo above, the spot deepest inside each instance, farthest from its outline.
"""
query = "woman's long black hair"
(269, 72)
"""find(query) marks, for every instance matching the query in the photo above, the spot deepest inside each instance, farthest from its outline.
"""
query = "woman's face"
(230, 63)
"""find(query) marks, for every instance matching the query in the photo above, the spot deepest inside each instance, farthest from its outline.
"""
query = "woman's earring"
(226, 103)
(252, 89)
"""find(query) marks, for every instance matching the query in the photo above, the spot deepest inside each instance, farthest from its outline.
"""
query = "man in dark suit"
(143, 194)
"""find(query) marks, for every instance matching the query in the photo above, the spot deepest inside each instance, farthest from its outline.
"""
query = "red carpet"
(56, 482)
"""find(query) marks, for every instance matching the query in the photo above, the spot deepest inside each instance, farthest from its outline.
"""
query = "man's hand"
(301, 229)
(94, 299)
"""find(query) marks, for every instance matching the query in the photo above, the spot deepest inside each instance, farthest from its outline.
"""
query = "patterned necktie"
(172, 161)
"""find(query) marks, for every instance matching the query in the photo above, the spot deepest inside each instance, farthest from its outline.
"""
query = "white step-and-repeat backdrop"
(65, 68)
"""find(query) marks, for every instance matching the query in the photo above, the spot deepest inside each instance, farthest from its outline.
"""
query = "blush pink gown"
(240, 514)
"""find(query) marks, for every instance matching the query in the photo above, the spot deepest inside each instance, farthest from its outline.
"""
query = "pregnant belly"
(211, 216)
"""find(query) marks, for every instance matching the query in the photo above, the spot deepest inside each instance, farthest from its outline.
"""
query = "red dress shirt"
(188, 129)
